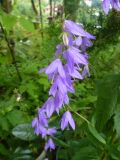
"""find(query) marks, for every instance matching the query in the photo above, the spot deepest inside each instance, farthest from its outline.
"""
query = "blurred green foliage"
(97, 98)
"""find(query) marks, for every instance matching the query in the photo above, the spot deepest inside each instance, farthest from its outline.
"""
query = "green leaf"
(24, 132)
(107, 92)
(4, 123)
(62, 154)
(114, 152)
(8, 20)
(86, 153)
(3, 150)
(21, 153)
(26, 24)
(117, 115)
(16, 117)
(60, 142)
(95, 133)
(117, 120)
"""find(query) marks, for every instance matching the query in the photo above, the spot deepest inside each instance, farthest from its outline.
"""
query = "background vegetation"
(29, 32)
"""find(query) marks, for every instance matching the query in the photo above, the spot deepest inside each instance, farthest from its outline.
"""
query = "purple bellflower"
(76, 29)
(108, 4)
(67, 119)
(71, 63)
(55, 67)
(50, 145)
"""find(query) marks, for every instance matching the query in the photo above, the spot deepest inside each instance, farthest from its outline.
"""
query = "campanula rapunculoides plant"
(70, 64)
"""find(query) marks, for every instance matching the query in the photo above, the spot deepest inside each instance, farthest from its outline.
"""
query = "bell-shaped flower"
(51, 131)
(60, 100)
(50, 145)
(67, 119)
(76, 29)
(73, 56)
(58, 85)
(86, 71)
(47, 132)
(115, 4)
(49, 106)
(35, 125)
(59, 49)
(107, 4)
(85, 44)
(43, 120)
(38, 128)
(62, 86)
(55, 67)
(74, 74)
(78, 41)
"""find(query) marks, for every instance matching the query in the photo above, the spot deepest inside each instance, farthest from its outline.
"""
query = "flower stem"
(79, 115)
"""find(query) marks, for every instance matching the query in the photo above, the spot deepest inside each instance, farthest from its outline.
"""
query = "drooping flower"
(60, 100)
(76, 29)
(58, 85)
(67, 119)
(49, 106)
(55, 67)
(43, 120)
(86, 71)
(59, 49)
(50, 145)
(107, 4)
(76, 56)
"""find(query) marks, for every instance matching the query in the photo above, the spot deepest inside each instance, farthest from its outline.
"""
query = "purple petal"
(35, 122)
(61, 70)
(59, 50)
(86, 71)
(66, 99)
(51, 131)
(64, 122)
(106, 6)
(50, 145)
(61, 86)
(76, 29)
(67, 118)
(78, 41)
(42, 117)
(76, 56)
(76, 74)
(70, 120)
(49, 107)
(73, 28)
(115, 4)
(52, 67)
(42, 70)
(58, 101)
(53, 88)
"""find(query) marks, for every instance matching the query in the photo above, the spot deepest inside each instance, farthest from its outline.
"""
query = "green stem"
(42, 155)
(11, 51)
(41, 18)
(80, 116)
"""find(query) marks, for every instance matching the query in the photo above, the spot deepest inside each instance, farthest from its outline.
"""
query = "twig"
(41, 19)
(11, 51)
(34, 8)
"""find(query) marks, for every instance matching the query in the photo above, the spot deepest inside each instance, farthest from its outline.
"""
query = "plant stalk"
(11, 51)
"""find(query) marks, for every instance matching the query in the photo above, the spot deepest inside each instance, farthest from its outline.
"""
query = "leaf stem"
(80, 115)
